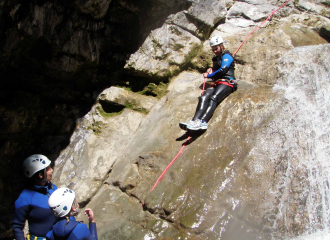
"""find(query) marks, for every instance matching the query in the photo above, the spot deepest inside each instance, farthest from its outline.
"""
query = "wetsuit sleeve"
(81, 232)
(227, 60)
(20, 215)
(92, 229)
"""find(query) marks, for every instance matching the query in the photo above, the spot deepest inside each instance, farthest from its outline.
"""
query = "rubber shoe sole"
(183, 126)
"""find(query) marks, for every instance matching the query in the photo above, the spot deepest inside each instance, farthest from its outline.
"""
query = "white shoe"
(183, 125)
(197, 125)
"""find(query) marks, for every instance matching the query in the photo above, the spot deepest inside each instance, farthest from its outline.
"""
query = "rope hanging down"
(168, 166)
(259, 26)
(189, 138)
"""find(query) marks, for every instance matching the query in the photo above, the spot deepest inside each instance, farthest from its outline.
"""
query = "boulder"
(120, 96)
(209, 12)
(253, 12)
(162, 52)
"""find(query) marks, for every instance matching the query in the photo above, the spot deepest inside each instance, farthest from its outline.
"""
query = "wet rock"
(297, 30)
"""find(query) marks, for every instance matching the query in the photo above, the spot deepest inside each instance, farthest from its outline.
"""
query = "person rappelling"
(223, 84)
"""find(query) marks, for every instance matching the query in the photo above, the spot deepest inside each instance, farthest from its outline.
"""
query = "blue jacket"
(72, 230)
(32, 205)
(223, 66)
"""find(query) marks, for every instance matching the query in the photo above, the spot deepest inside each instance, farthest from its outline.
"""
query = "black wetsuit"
(223, 68)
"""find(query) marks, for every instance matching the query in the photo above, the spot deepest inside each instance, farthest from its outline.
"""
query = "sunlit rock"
(162, 52)
(208, 12)
(94, 147)
(125, 98)
(249, 11)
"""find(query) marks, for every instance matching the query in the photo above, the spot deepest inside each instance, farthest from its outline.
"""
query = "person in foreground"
(32, 203)
(64, 206)
(224, 83)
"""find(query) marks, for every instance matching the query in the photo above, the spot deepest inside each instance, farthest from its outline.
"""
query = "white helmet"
(216, 40)
(61, 200)
(35, 163)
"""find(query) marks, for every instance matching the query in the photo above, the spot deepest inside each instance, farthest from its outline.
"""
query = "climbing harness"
(32, 237)
(219, 81)
(230, 81)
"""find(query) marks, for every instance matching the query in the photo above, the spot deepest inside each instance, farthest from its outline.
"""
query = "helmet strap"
(45, 176)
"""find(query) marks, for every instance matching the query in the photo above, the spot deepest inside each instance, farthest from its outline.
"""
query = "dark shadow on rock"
(193, 134)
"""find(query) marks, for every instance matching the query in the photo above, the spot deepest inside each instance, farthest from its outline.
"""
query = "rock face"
(56, 57)
(85, 166)
(111, 145)
(248, 171)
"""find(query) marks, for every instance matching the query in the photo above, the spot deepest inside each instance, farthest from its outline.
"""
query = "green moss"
(132, 105)
(163, 57)
(196, 50)
(325, 13)
(155, 43)
(155, 90)
(177, 47)
(175, 31)
(95, 127)
(106, 114)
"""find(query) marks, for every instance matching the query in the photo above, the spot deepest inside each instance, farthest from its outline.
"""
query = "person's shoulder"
(24, 198)
(81, 231)
(227, 52)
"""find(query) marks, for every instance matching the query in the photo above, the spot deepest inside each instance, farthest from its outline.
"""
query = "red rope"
(204, 85)
(260, 26)
(168, 166)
